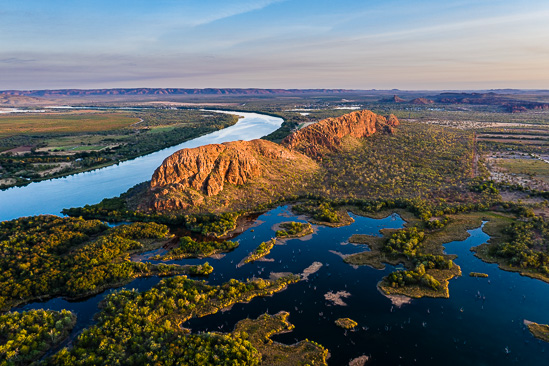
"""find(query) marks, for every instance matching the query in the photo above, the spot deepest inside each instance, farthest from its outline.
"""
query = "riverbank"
(53, 195)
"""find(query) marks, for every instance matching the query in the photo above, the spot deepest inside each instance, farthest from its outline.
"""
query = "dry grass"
(63, 123)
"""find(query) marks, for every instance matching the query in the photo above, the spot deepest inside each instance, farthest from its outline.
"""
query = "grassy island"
(429, 273)
(419, 248)
(190, 248)
(45, 256)
(478, 274)
(262, 250)
(346, 323)
(323, 213)
(27, 336)
(540, 331)
(259, 333)
(154, 319)
(292, 229)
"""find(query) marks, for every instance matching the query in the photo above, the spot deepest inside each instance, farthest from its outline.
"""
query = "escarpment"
(189, 176)
(326, 136)
(240, 174)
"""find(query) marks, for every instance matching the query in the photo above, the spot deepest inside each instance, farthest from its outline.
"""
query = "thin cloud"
(15, 60)
(481, 22)
(237, 9)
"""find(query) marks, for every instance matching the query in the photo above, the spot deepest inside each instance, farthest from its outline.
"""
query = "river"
(51, 196)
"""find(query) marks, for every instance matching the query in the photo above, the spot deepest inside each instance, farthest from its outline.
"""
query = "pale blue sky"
(274, 44)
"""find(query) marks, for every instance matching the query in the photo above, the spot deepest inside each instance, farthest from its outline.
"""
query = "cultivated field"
(33, 124)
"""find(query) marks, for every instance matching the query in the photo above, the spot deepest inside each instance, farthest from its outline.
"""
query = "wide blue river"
(51, 196)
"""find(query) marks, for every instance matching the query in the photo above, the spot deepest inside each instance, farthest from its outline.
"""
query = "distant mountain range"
(507, 102)
(168, 91)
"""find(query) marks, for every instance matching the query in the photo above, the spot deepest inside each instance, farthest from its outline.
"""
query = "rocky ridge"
(189, 175)
(327, 135)
(192, 177)
(169, 91)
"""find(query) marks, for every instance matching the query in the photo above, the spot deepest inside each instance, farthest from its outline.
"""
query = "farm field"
(58, 123)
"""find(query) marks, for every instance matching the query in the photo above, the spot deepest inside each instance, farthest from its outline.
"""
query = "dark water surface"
(481, 323)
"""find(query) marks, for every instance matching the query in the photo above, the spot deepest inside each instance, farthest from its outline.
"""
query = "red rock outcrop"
(422, 101)
(192, 177)
(189, 175)
(326, 136)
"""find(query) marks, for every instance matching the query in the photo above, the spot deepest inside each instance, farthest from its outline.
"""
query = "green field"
(530, 167)
(63, 123)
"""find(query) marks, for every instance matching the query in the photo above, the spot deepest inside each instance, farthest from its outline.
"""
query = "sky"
(350, 44)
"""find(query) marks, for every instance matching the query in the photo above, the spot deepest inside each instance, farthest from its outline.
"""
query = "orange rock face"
(189, 177)
(326, 136)
(190, 174)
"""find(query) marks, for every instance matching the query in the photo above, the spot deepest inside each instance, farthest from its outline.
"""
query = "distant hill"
(422, 101)
(506, 101)
(167, 91)
(19, 100)
(394, 99)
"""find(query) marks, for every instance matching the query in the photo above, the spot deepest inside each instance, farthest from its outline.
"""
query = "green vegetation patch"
(154, 320)
(44, 256)
(345, 323)
(540, 331)
(429, 273)
(259, 332)
(420, 250)
(478, 274)
(27, 336)
(419, 160)
(323, 213)
(262, 250)
(118, 209)
(211, 224)
(523, 248)
(293, 230)
(190, 248)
